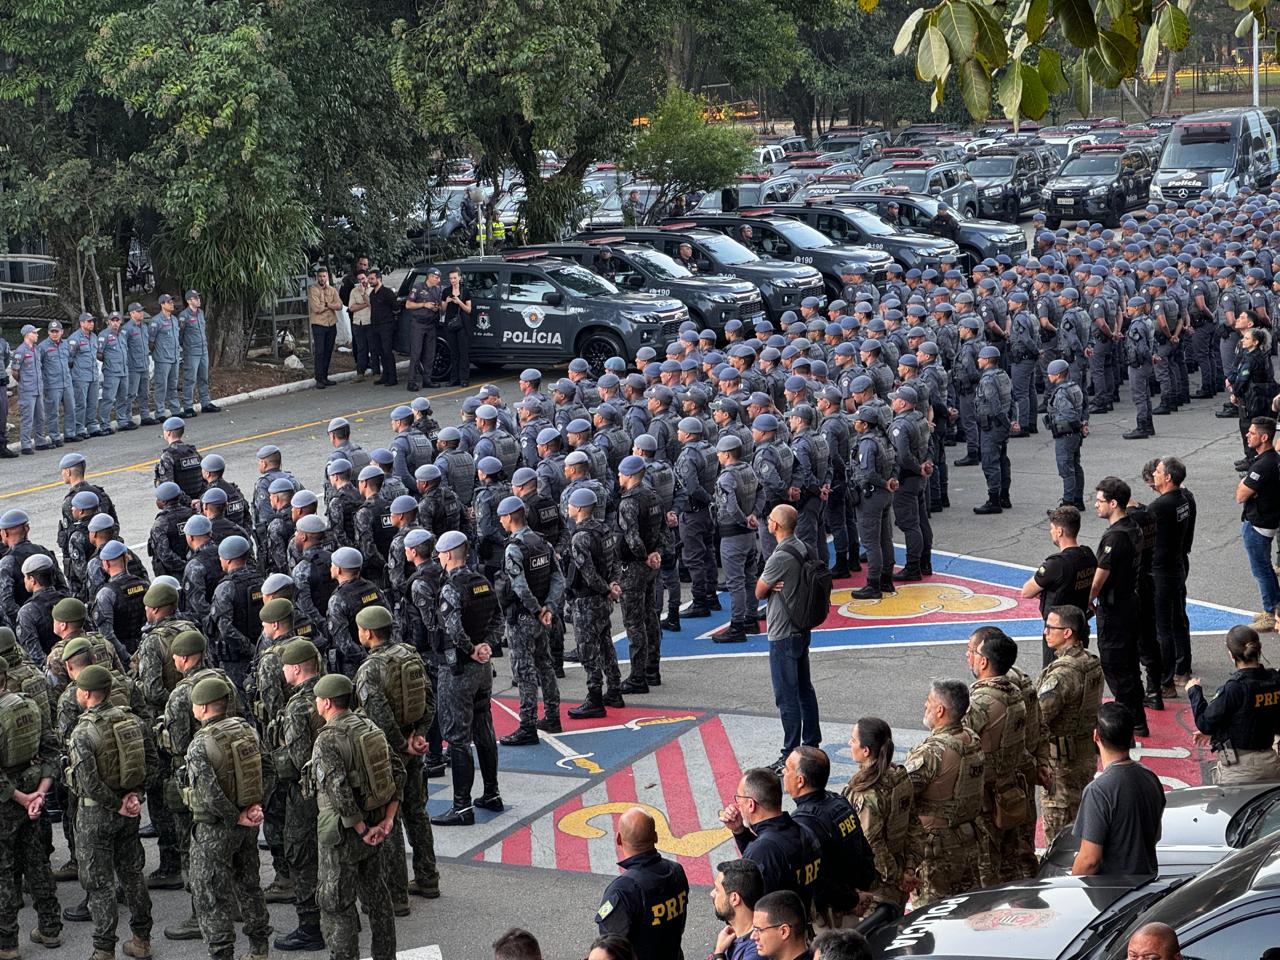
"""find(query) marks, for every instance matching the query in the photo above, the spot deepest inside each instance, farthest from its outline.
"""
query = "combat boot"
(306, 937)
(137, 947)
(280, 891)
(188, 929)
(79, 913)
(550, 723)
(751, 626)
(167, 876)
(696, 610)
(841, 570)
(68, 871)
(590, 708)
(633, 685)
(909, 574)
(869, 592)
(613, 698)
(50, 941)
(9, 953)
(734, 633)
(1139, 432)
(520, 737)
(454, 817)
(6, 453)
(103, 955)
(988, 508)
(492, 800)
(434, 766)
(427, 889)
(673, 618)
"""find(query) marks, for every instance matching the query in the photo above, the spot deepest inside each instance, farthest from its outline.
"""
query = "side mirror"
(552, 298)
(703, 265)
(635, 280)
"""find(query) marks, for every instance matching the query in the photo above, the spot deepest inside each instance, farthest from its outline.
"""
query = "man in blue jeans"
(788, 645)
(1259, 494)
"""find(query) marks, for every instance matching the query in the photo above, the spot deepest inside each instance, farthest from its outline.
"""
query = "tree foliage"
(680, 152)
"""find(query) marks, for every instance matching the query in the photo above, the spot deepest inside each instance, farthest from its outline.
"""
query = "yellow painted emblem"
(920, 600)
(699, 843)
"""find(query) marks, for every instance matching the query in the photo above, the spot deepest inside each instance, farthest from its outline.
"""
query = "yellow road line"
(228, 443)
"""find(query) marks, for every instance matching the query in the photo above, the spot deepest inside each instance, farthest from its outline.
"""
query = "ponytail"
(875, 735)
(1243, 644)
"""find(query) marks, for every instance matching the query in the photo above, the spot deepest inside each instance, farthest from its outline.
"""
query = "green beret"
(70, 610)
(76, 646)
(373, 618)
(209, 690)
(299, 651)
(7, 640)
(333, 685)
(273, 611)
(94, 677)
(187, 643)
(160, 595)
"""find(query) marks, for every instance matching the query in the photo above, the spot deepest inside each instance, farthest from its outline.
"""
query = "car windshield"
(803, 236)
(581, 281)
(1060, 147)
(728, 250)
(878, 165)
(929, 207)
(913, 180)
(1202, 153)
(1227, 880)
(660, 264)
(1090, 165)
(990, 166)
(1260, 818)
(615, 200)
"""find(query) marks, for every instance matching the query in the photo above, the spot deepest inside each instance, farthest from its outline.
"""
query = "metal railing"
(25, 278)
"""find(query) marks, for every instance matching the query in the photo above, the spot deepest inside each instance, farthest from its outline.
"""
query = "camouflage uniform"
(108, 847)
(104, 653)
(946, 771)
(23, 850)
(1070, 691)
(224, 855)
(1024, 863)
(292, 738)
(998, 715)
(527, 637)
(347, 865)
(372, 682)
(593, 553)
(269, 695)
(884, 811)
(641, 527)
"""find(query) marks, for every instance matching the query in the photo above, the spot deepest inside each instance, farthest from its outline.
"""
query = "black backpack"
(813, 589)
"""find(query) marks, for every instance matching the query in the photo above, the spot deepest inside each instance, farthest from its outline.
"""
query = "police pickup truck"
(782, 285)
(1102, 181)
(857, 226)
(712, 299)
(537, 310)
(1229, 912)
(778, 233)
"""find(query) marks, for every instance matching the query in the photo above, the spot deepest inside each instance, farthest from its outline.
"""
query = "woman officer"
(1243, 718)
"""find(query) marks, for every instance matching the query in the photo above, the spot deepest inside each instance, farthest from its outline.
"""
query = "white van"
(1220, 151)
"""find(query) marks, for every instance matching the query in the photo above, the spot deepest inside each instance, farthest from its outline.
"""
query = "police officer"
(995, 413)
(1140, 355)
(848, 863)
(1243, 718)
(269, 470)
(137, 337)
(351, 595)
(212, 468)
(425, 310)
(373, 524)
(55, 375)
(457, 466)
(34, 624)
(15, 526)
(275, 550)
(695, 470)
(530, 593)
(118, 608)
(647, 903)
(79, 547)
(342, 502)
(358, 780)
(71, 468)
(874, 484)
(114, 356)
(641, 522)
(213, 505)
(195, 358)
(393, 690)
(411, 449)
(1067, 419)
(947, 773)
(1101, 344)
(26, 368)
(773, 463)
(166, 544)
(1166, 323)
(180, 461)
(203, 570)
(909, 437)
(228, 780)
(314, 584)
(164, 355)
(495, 440)
(735, 501)
(1024, 350)
(233, 615)
(82, 350)
(470, 624)
(593, 586)
(787, 854)
(403, 512)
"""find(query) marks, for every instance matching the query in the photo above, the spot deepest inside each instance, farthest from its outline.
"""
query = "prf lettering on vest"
(668, 909)
(1267, 699)
(848, 825)
(807, 875)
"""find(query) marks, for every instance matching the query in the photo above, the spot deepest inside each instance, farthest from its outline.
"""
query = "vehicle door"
(485, 284)
(535, 315)
(1128, 184)
(838, 228)
(770, 243)
(1143, 170)
(629, 275)
(1030, 174)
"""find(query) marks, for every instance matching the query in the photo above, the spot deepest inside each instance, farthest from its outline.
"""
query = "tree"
(680, 152)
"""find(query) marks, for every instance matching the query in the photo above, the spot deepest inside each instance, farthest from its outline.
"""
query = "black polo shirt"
(1263, 508)
(1065, 578)
(647, 904)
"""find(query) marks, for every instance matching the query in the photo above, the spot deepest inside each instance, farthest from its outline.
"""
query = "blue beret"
(765, 423)
(404, 504)
(631, 465)
(989, 353)
(347, 558)
(229, 549)
(196, 526)
(175, 423)
(337, 467)
(70, 460)
(511, 505)
(114, 549)
(491, 466)
(164, 493)
(214, 495)
(450, 540)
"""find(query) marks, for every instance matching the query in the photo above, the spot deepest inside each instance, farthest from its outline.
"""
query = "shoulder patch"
(606, 908)
(1041, 570)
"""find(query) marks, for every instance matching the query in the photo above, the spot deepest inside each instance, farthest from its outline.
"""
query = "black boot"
(634, 685)
(841, 570)
(733, 634)
(613, 698)
(306, 937)
(1140, 432)
(6, 453)
(869, 592)
(909, 574)
(590, 708)
(673, 617)
(456, 816)
(522, 736)
(991, 506)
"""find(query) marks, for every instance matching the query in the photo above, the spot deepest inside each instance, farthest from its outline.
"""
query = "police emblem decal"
(532, 317)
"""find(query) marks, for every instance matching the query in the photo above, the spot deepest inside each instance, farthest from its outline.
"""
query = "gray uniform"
(83, 353)
(593, 568)
(55, 376)
(163, 329)
(736, 489)
(909, 435)
(873, 466)
(115, 379)
(26, 367)
(1024, 349)
(810, 474)
(993, 404)
(965, 376)
(1139, 348)
(137, 336)
(195, 357)
(533, 580)
(772, 463)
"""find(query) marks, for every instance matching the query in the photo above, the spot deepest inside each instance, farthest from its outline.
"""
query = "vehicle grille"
(751, 306)
(671, 320)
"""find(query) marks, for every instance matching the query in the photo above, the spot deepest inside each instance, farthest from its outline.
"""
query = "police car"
(1230, 912)
(946, 180)
(777, 233)
(750, 190)
(1101, 181)
(1009, 178)
(783, 286)
(536, 310)
(712, 299)
(1200, 826)
(846, 224)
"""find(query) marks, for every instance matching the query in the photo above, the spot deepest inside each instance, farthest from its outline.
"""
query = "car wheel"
(970, 212)
(597, 346)
(443, 365)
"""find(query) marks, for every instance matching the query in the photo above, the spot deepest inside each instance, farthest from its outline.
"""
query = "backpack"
(236, 757)
(813, 589)
(406, 684)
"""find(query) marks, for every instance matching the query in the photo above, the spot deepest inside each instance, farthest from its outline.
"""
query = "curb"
(284, 389)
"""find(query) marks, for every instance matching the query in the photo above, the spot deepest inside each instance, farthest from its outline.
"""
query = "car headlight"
(1098, 191)
(722, 298)
(1046, 194)
(992, 191)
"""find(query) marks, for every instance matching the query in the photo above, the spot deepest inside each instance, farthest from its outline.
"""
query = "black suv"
(712, 299)
(846, 224)
(1009, 179)
(782, 285)
(535, 310)
(920, 213)
(778, 233)
(1100, 182)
